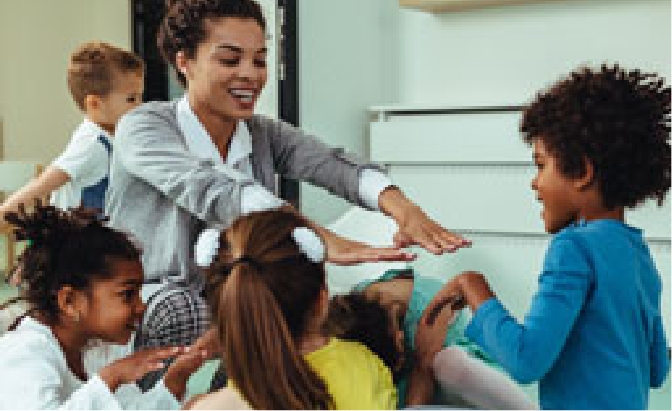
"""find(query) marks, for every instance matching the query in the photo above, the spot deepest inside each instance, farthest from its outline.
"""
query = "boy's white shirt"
(85, 160)
(35, 376)
(239, 157)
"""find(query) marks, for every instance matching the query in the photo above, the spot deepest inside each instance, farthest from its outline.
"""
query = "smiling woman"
(207, 158)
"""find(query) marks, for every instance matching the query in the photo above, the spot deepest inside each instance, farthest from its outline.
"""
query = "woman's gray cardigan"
(164, 195)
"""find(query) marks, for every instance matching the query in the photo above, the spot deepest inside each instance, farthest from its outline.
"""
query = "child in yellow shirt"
(268, 298)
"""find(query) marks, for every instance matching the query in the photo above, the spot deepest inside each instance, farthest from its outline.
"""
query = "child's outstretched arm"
(429, 340)
(528, 350)
(38, 188)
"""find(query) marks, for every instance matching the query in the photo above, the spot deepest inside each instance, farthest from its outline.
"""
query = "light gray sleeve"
(148, 146)
(301, 156)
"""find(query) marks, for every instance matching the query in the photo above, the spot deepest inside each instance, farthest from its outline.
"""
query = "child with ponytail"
(268, 298)
(81, 280)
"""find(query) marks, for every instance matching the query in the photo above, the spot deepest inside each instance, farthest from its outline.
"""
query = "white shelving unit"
(469, 169)
(442, 6)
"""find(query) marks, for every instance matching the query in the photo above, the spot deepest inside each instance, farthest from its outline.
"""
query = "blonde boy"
(105, 83)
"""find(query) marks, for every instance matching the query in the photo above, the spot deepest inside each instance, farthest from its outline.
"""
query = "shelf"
(440, 6)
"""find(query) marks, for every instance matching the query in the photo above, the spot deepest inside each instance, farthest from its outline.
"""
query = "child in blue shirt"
(593, 336)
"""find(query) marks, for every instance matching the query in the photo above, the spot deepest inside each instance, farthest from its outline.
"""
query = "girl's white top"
(34, 375)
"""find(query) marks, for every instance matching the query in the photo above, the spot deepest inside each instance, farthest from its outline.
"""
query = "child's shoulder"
(27, 340)
(590, 233)
(354, 352)
(224, 399)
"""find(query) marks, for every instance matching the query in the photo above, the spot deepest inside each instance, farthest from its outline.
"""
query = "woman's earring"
(77, 317)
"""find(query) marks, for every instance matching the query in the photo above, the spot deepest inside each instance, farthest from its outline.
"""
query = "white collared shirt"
(85, 160)
(239, 157)
(35, 375)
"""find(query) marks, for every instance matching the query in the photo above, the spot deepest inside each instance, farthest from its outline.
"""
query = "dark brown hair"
(262, 290)
(362, 318)
(616, 119)
(183, 27)
(66, 248)
(93, 67)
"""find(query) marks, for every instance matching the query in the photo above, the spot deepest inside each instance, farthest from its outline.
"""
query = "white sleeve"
(38, 384)
(257, 198)
(158, 398)
(85, 160)
(371, 184)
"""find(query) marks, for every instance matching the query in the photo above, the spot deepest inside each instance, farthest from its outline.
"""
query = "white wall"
(36, 39)
(347, 62)
(504, 55)
(356, 53)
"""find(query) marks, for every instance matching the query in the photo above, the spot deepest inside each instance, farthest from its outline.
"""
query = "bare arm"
(40, 187)
(429, 340)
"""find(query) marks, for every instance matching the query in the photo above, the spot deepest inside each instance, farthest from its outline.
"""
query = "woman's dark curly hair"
(183, 26)
(358, 317)
(66, 248)
(618, 120)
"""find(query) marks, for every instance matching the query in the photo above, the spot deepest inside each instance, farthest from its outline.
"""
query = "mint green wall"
(347, 62)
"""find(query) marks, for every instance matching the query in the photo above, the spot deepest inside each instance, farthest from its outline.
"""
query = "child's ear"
(70, 302)
(92, 102)
(586, 179)
(182, 63)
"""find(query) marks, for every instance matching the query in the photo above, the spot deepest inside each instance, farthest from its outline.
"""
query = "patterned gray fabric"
(177, 315)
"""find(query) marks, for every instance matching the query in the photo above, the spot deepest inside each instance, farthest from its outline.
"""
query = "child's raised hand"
(180, 370)
(430, 336)
(468, 288)
(133, 367)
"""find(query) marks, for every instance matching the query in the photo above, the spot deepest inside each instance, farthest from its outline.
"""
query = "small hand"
(468, 288)
(430, 337)
(135, 366)
(183, 367)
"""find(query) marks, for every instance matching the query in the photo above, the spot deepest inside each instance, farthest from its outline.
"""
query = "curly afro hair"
(66, 248)
(618, 120)
(183, 26)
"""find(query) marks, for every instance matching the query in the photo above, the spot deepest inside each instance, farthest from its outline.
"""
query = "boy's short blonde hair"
(93, 66)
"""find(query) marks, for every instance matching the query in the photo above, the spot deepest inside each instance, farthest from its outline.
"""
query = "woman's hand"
(137, 365)
(342, 251)
(468, 288)
(415, 227)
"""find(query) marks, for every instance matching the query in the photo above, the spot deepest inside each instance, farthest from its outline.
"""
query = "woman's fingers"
(368, 254)
(432, 238)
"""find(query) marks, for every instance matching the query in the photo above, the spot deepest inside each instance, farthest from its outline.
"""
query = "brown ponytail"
(262, 291)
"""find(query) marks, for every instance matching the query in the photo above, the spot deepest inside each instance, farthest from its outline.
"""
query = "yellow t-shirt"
(355, 377)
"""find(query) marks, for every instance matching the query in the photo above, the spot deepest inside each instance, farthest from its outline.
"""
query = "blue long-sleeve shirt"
(593, 337)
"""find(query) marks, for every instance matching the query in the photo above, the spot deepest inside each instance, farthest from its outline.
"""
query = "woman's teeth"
(246, 96)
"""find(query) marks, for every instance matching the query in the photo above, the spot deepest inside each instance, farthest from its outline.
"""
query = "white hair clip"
(207, 246)
(309, 243)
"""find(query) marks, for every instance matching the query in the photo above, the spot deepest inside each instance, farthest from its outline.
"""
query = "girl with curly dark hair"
(385, 315)
(82, 280)
(593, 337)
